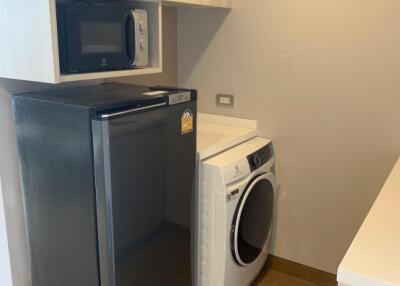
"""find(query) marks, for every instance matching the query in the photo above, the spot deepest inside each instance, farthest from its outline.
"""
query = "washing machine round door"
(252, 220)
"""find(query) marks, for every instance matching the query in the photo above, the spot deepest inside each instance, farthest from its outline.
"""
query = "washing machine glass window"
(253, 220)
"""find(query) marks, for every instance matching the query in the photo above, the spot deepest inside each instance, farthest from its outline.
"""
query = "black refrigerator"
(108, 184)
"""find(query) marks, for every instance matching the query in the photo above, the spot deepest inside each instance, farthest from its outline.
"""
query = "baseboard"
(300, 271)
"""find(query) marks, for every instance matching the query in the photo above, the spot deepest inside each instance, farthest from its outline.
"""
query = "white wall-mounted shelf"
(201, 3)
(29, 42)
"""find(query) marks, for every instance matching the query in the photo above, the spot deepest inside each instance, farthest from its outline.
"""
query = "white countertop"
(374, 256)
(216, 133)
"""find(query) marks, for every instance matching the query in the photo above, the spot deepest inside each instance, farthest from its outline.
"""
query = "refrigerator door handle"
(129, 111)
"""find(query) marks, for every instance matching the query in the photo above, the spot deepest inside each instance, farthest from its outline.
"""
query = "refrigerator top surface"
(106, 94)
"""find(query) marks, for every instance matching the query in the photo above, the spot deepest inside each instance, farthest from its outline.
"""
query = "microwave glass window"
(101, 37)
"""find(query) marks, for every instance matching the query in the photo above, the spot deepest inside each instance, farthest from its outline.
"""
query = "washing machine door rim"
(249, 191)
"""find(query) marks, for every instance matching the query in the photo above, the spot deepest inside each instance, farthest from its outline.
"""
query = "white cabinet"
(29, 42)
(205, 3)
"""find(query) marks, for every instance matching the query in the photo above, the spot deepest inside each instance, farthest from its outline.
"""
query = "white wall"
(323, 79)
(5, 266)
(12, 197)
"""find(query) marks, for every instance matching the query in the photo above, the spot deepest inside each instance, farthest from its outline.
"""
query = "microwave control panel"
(141, 38)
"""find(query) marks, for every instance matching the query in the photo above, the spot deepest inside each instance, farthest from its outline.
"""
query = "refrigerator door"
(144, 172)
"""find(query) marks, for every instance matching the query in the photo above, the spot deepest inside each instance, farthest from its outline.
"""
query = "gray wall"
(323, 79)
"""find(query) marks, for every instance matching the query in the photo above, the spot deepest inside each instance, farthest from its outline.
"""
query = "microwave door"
(143, 209)
(97, 38)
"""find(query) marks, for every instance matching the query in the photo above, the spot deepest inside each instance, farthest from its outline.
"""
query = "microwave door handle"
(129, 33)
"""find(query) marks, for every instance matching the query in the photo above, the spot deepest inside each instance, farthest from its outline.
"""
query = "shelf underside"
(108, 74)
(201, 3)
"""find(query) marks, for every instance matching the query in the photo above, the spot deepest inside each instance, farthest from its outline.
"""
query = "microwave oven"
(99, 37)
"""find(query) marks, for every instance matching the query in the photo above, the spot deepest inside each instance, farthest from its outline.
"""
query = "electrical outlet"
(225, 100)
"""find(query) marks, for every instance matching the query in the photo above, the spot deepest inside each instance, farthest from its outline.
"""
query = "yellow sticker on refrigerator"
(187, 121)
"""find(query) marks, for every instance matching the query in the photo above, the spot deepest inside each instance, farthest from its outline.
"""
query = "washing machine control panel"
(260, 157)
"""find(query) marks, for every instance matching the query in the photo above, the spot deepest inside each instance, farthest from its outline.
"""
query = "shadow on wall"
(272, 238)
(13, 208)
(200, 36)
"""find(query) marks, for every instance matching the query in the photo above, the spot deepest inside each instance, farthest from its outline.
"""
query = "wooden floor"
(275, 278)
(281, 272)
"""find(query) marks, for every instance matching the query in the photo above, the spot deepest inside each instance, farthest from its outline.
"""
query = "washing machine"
(236, 191)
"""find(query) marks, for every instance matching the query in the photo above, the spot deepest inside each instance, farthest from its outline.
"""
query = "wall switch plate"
(225, 100)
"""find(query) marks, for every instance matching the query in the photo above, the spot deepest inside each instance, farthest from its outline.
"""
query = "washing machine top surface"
(243, 159)
(218, 133)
